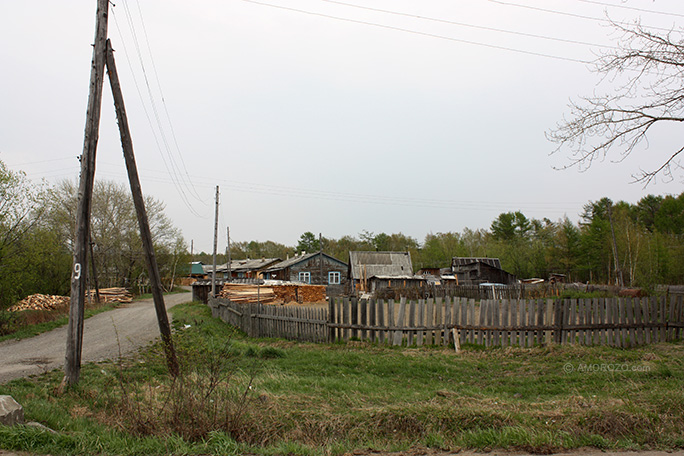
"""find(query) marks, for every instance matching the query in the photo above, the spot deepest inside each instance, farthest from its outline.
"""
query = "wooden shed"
(387, 265)
(474, 271)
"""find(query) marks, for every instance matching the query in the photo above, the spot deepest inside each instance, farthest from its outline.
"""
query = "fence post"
(559, 317)
(331, 320)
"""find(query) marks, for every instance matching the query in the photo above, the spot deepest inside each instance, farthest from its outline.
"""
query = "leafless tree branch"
(648, 69)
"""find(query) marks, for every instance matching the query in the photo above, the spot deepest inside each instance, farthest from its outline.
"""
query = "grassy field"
(238, 395)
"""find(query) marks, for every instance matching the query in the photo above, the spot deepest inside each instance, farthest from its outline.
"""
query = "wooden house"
(371, 271)
(310, 268)
(474, 271)
(242, 269)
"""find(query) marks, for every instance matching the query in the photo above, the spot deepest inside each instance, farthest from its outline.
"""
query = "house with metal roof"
(241, 269)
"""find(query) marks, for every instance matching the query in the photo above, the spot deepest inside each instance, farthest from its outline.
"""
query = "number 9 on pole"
(77, 271)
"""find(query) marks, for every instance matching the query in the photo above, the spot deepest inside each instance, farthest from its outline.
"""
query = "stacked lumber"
(244, 293)
(41, 302)
(109, 295)
(300, 293)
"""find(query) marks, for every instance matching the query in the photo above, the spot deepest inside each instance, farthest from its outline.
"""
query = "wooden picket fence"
(620, 322)
(287, 322)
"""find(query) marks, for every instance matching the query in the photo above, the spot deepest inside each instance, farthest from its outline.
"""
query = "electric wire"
(577, 16)
(163, 99)
(172, 173)
(295, 192)
(415, 32)
(150, 94)
(631, 8)
(462, 24)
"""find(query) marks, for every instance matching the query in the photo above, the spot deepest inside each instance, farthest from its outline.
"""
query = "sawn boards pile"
(273, 294)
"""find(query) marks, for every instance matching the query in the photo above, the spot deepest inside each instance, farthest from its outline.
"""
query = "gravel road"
(128, 328)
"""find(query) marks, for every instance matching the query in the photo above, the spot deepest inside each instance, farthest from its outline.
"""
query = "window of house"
(334, 278)
(305, 277)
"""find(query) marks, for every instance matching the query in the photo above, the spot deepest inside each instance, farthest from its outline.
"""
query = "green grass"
(308, 399)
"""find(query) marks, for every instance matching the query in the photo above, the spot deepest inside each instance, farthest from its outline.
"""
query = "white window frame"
(334, 278)
(305, 277)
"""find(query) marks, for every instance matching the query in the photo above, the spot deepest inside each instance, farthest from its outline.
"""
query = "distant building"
(371, 271)
(241, 269)
(311, 268)
(474, 271)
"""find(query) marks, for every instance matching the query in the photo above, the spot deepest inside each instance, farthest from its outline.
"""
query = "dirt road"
(127, 328)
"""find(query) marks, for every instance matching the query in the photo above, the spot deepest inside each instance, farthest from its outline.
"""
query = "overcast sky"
(314, 115)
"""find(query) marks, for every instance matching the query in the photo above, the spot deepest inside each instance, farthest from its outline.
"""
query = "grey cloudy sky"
(311, 118)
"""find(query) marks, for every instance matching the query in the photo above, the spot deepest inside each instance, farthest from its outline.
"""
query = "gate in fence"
(620, 322)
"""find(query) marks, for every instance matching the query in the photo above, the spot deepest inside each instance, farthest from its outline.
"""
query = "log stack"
(54, 302)
(300, 293)
(41, 302)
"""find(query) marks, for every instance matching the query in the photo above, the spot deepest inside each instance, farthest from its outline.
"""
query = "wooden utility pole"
(213, 272)
(618, 272)
(92, 266)
(74, 346)
(228, 259)
(320, 258)
(138, 200)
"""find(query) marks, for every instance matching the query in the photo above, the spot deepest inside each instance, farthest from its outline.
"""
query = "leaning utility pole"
(213, 272)
(72, 364)
(139, 201)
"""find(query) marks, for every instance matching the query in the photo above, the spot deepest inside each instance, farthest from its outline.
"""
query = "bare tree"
(646, 72)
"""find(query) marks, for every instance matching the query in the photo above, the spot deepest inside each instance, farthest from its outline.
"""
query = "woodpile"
(110, 295)
(41, 302)
(273, 294)
(300, 293)
(53, 302)
(245, 294)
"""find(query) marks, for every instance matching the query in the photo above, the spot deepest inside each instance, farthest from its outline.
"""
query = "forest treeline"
(639, 244)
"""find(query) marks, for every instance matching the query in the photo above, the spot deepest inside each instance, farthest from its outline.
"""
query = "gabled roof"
(196, 268)
(464, 261)
(243, 265)
(387, 264)
(299, 259)
(252, 265)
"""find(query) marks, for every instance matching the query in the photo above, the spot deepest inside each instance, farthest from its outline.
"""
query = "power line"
(632, 8)
(295, 192)
(163, 99)
(170, 169)
(564, 13)
(462, 24)
(415, 32)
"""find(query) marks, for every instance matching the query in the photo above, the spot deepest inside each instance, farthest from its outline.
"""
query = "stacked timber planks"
(115, 294)
(244, 293)
(273, 294)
